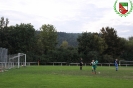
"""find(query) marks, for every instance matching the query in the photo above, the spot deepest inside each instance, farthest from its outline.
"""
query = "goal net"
(17, 60)
(11, 61)
(125, 63)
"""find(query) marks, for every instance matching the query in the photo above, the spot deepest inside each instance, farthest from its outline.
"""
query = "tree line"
(48, 45)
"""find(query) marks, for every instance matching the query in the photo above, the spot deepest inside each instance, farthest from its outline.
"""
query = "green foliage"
(91, 45)
(49, 45)
(130, 38)
(22, 38)
(107, 58)
(4, 34)
(113, 42)
(71, 38)
(3, 23)
(62, 55)
(47, 38)
(19, 39)
(64, 44)
(128, 50)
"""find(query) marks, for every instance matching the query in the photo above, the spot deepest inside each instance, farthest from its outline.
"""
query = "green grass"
(66, 77)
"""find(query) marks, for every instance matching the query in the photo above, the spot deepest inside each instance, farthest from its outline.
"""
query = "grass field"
(66, 77)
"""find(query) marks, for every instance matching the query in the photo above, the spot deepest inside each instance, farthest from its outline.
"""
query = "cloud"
(48, 11)
(67, 15)
(110, 18)
(124, 31)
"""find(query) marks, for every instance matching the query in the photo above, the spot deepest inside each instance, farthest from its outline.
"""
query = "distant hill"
(71, 38)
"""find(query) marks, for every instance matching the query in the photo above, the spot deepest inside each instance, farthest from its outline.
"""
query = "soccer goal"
(17, 60)
(125, 63)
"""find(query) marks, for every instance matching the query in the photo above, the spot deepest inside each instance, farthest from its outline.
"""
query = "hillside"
(71, 38)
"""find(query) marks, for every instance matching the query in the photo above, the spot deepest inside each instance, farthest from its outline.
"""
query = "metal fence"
(74, 64)
(3, 54)
(3, 58)
(11, 61)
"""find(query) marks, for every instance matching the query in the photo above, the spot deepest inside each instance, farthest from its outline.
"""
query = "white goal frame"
(124, 61)
(18, 57)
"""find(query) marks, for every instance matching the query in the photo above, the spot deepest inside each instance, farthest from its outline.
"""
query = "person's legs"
(116, 68)
(95, 70)
(80, 67)
(92, 69)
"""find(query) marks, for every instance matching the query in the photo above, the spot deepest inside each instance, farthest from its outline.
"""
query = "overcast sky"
(71, 16)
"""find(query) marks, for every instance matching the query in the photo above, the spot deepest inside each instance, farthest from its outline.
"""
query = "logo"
(123, 8)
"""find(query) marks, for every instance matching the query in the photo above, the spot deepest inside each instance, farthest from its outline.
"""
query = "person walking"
(116, 64)
(94, 65)
(81, 63)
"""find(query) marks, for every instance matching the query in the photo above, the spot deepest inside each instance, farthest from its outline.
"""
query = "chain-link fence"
(3, 54)
(11, 61)
(3, 58)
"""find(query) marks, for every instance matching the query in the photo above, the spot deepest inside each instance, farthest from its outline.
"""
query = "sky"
(70, 16)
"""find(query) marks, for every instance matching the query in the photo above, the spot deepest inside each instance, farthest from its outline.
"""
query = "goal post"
(16, 59)
(125, 63)
(11, 61)
(19, 55)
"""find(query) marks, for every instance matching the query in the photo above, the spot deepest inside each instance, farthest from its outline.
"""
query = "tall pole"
(18, 59)
(25, 59)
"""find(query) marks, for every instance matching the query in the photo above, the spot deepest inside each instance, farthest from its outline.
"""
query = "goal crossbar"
(18, 57)
(124, 61)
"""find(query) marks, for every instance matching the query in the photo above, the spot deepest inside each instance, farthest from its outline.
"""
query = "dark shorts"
(94, 67)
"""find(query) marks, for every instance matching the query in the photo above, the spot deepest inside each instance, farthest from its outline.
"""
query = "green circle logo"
(121, 8)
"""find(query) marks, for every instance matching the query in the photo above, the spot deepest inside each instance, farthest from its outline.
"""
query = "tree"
(22, 39)
(128, 52)
(71, 38)
(64, 44)
(4, 32)
(130, 38)
(112, 40)
(90, 45)
(107, 58)
(3, 23)
(47, 38)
